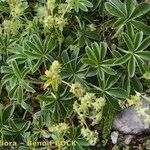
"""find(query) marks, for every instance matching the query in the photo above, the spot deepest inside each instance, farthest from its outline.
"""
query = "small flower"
(61, 22)
(53, 77)
(60, 128)
(97, 118)
(77, 89)
(134, 100)
(99, 103)
(51, 4)
(91, 136)
(49, 22)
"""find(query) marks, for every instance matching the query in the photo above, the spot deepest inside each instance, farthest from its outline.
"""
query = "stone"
(114, 137)
(129, 121)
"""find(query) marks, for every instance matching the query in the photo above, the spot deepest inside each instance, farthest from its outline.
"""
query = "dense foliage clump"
(67, 67)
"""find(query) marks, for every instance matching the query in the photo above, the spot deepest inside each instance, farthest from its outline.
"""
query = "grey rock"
(114, 137)
(128, 139)
(128, 121)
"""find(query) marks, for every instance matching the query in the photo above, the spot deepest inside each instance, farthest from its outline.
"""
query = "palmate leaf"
(127, 13)
(74, 69)
(96, 58)
(58, 107)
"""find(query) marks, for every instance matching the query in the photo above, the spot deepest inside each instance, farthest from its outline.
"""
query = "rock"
(114, 137)
(128, 139)
(129, 121)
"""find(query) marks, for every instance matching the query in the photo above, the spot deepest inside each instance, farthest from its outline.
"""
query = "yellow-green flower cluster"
(54, 20)
(88, 106)
(91, 136)
(53, 77)
(77, 89)
(134, 100)
(60, 128)
(17, 7)
(11, 27)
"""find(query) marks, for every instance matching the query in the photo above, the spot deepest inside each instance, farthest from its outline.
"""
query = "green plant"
(127, 14)
(66, 68)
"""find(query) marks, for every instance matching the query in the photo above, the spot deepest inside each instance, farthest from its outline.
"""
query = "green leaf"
(82, 6)
(131, 66)
(38, 43)
(103, 48)
(137, 85)
(20, 94)
(140, 64)
(123, 59)
(126, 83)
(50, 44)
(144, 44)
(118, 23)
(13, 125)
(27, 87)
(8, 112)
(112, 80)
(130, 6)
(90, 54)
(12, 92)
(88, 61)
(113, 10)
(25, 126)
(16, 69)
(96, 50)
(109, 70)
(118, 92)
(144, 55)
(109, 114)
(138, 39)
(37, 65)
(128, 42)
(119, 5)
(141, 27)
(140, 10)
(34, 47)
(88, 3)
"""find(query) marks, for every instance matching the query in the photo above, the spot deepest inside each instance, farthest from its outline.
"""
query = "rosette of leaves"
(96, 58)
(73, 68)
(136, 55)
(56, 105)
(16, 81)
(84, 35)
(77, 138)
(39, 51)
(126, 14)
(8, 126)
